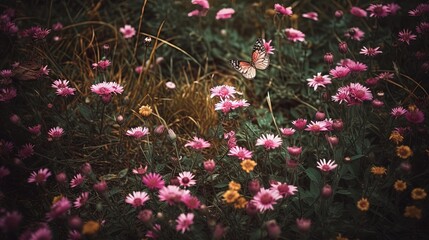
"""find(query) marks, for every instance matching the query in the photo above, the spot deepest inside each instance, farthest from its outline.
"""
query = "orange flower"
(418, 194)
(378, 170)
(413, 212)
(90, 227)
(234, 186)
(241, 202)
(404, 152)
(248, 165)
(396, 137)
(363, 204)
(400, 185)
(230, 196)
(145, 110)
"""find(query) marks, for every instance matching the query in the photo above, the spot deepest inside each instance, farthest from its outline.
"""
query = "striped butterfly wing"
(245, 68)
(260, 58)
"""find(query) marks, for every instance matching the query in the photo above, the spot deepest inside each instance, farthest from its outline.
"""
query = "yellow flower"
(234, 186)
(378, 170)
(230, 196)
(90, 227)
(404, 152)
(413, 212)
(396, 137)
(57, 198)
(241, 202)
(363, 204)
(145, 110)
(248, 165)
(412, 108)
(400, 185)
(418, 194)
(340, 237)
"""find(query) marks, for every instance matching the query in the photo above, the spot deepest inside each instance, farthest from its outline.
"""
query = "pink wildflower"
(311, 15)
(56, 132)
(35, 130)
(406, 36)
(269, 141)
(358, 12)
(355, 33)
(26, 151)
(316, 126)
(153, 181)
(223, 91)
(294, 150)
(240, 152)
(300, 123)
(326, 166)
(394, 8)
(184, 222)
(398, 111)
(171, 194)
(319, 81)
(191, 202)
(224, 13)
(81, 200)
(287, 131)
(284, 189)
(77, 180)
(415, 116)
(339, 72)
(44, 70)
(40, 177)
(58, 209)
(43, 233)
(140, 170)
(137, 199)
(357, 66)
(127, 31)
(10, 221)
(371, 52)
(7, 94)
(138, 132)
(265, 199)
(198, 143)
(287, 11)
(294, 35)
(103, 64)
(203, 3)
(186, 179)
(303, 224)
(378, 10)
(106, 88)
(268, 48)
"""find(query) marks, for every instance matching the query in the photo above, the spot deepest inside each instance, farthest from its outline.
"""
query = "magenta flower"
(358, 12)
(355, 33)
(77, 180)
(184, 222)
(203, 3)
(339, 72)
(127, 31)
(40, 177)
(316, 126)
(303, 224)
(284, 189)
(326, 166)
(102, 64)
(269, 141)
(35, 130)
(353, 94)
(56, 132)
(294, 150)
(186, 179)
(294, 35)
(106, 88)
(398, 111)
(62, 89)
(41, 233)
(287, 131)
(7, 94)
(265, 199)
(394, 8)
(153, 181)
(226, 105)
(44, 70)
(300, 123)
(225, 13)
(57, 26)
(26, 151)
(311, 15)
(356, 66)
(6, 73)
(240, 152)
(378, 10)
(198, 143)
(283, 10)
(197, 13)
(10, 221)
(371, 52)
(58, 209)
(319, 81)
(415, 116)
(81, 200)
(137, 132)
(191, 202)
(140, 170)
(268, 48)
(137, 199)
(171, 194)
(223, 91)
(406, 36)
(385, 76)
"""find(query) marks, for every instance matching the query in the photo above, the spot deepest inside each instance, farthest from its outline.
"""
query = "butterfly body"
(260, 60)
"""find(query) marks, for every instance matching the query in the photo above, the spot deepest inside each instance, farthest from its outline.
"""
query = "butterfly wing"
(260, 58)
(245, 68)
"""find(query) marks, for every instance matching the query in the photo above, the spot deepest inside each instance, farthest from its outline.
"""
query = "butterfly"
(260, 60)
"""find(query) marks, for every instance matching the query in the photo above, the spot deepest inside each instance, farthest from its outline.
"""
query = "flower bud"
(377, 103)
(251, 209)
(273, 229)
(86, 169)
(254, 186)
(75, 222)
(303, 224)
(209, 165)
(326, 191)
(145, 215)
(332, 140)
(61, 178)
(159, 129)
(320, 115)
(120, 119)
(100, 187)
(338, 125)
(15, 119)
(172, 135)
(219, 231)
(339, 14)
(406, 167)
(328, 58)
(290, 163)
(342, 47)
(294, 151)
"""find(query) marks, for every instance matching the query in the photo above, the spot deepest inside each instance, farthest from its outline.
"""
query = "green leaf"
(314, 175)
(122, 173)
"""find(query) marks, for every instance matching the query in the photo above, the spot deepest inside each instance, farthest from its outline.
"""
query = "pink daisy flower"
(186, 179)
(184, 222)
(355, 33)
(311, 15)
(6, 73)
(226, 105)
(81, 200)
(153, 181)
(423, 27)
(223, 91)
(416, 116)
(319, 81)
(326, 166)
(287, 131)
(154, 232)
(269, 141)
(64, 92)
(203, 3)
(198, 13)
(44, 70)
(5, 147)
(378, 10)
(406, 36)
(385, 76)
(106, 88)
(77, 180)
(268, 48)
(171, 194)
(26, 151)
(127, 31)
(294, 150)
(198, 143)
(140, 170)
(39, 177)
(191, 202)
(371, 52)
(357, 66)
(55, 132)
(394, 8)
(60, 84)
(316, 126)
(398, 111)
(137, 132)
(58, 209)
(225, 13)
(300, 123)
(359, 93)
(294, 35)
(137, 199)
(7, 94)
(339, 72)
(283, 10)
(102, 64)
(35, 130)
(240, 152)
(284, 189)
(265, 199)
(358, 12)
